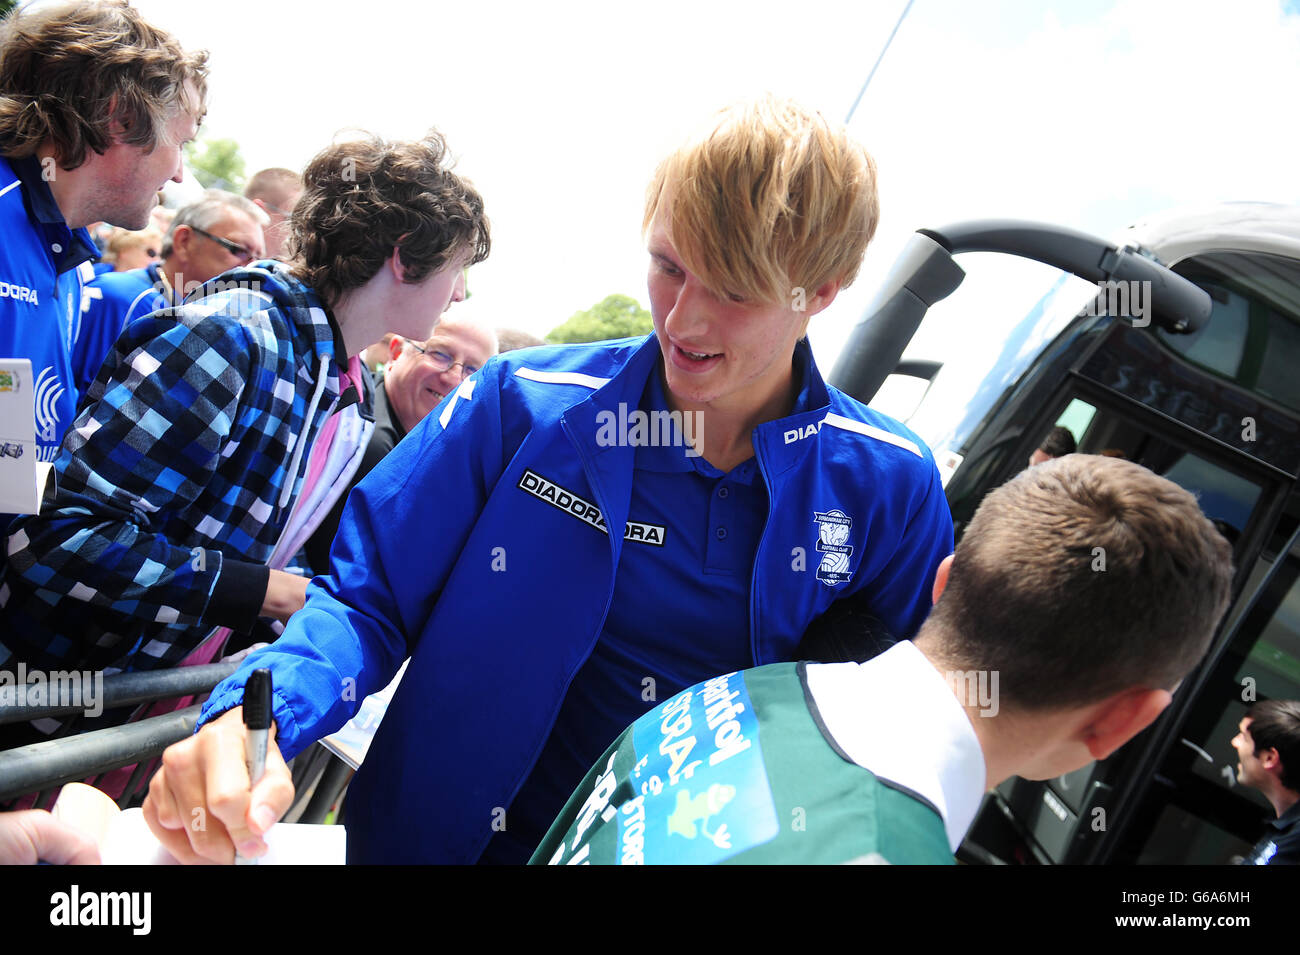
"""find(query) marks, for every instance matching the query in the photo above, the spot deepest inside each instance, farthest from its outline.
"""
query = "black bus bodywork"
(1209, 399)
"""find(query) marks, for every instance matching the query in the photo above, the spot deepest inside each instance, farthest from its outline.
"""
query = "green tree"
(618, 316)
(6, 6)
(216, 163)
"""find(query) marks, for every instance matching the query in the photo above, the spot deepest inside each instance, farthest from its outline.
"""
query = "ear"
(1119, 718)
(1269, 759)
(396, 266)
(823, 297)
(818, 301)
(941, 578)
(182, 236)
(395, 346)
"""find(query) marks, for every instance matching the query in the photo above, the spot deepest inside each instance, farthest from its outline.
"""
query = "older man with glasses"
(416, 378)
(217, 233)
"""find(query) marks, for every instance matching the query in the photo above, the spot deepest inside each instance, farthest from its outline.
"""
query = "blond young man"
(1033, 663)
(583, 530)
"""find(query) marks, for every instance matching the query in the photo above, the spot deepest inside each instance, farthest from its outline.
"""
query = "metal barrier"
(120, 689)
(319, 777)
(42, 766)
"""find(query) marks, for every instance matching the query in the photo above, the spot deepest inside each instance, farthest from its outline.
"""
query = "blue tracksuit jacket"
(451, 551)
(41, 277)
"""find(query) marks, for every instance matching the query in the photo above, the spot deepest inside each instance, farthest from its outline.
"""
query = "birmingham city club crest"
(832, 532)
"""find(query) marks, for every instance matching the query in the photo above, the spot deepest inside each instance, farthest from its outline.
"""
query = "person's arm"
(141, 454)
(285, 595)
(402, 532)
(33, 835)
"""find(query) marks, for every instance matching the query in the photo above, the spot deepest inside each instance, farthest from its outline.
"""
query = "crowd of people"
(228, 471)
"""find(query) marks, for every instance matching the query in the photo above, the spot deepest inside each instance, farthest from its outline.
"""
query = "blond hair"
(772, 198)
(124, 240)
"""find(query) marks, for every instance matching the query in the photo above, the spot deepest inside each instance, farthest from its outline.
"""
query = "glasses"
(243, 253)
(441, 361)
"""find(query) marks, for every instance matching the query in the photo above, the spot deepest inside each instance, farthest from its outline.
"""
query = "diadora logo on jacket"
(585, 511)
(798, 434)
(20, 293)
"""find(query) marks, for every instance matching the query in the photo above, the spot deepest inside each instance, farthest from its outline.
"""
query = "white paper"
(22, 477)
(130, 842)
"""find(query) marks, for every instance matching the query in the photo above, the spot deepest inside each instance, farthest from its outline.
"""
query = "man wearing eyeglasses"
(416, 378)
(217, 233)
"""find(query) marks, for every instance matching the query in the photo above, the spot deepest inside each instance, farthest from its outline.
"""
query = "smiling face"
(721, 351)
(198, 257)
(413, 381)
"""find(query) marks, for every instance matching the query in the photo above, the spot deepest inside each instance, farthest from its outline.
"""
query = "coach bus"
(1177, 346)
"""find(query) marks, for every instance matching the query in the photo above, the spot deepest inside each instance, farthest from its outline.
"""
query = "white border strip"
(848, 424)
(561, 378)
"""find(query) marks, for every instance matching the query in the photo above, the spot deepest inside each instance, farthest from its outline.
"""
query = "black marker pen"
(257, 732)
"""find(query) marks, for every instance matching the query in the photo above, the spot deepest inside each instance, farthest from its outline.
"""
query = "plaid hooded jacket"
(176, 479)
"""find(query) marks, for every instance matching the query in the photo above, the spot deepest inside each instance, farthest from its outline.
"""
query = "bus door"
(1221, 420)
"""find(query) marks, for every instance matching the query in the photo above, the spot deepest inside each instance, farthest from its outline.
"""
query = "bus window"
(1227, 498)
(1253, 335)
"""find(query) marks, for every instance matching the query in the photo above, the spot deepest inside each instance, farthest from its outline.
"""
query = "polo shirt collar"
(67, 247)
(1287, 820)
(811, 399)
(896, 717)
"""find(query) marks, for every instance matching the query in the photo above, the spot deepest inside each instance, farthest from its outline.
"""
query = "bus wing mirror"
(924, 274)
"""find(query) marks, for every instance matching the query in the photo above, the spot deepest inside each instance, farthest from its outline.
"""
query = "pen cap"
(257, 700)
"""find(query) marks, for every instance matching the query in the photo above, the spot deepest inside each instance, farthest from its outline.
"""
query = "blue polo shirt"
(41, 276)
(108, 305)
(650, 650)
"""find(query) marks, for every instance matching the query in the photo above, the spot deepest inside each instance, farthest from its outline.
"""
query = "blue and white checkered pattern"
(171, 477)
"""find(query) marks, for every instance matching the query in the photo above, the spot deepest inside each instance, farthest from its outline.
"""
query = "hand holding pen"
(203, 805)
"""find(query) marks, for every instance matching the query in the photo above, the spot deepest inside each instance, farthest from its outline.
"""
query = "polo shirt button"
(722, 533)
(56, 248)
(723, 492)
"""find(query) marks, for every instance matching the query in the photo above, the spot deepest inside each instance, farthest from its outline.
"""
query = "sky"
(1084, 113)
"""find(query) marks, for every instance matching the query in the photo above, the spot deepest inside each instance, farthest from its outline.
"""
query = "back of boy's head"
(1080, 578)
(774, 197)
(364, 197)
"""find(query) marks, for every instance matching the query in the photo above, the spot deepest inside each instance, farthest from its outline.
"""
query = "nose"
(451, 378)
(178, 174)
(458, 290)
(688, 319)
